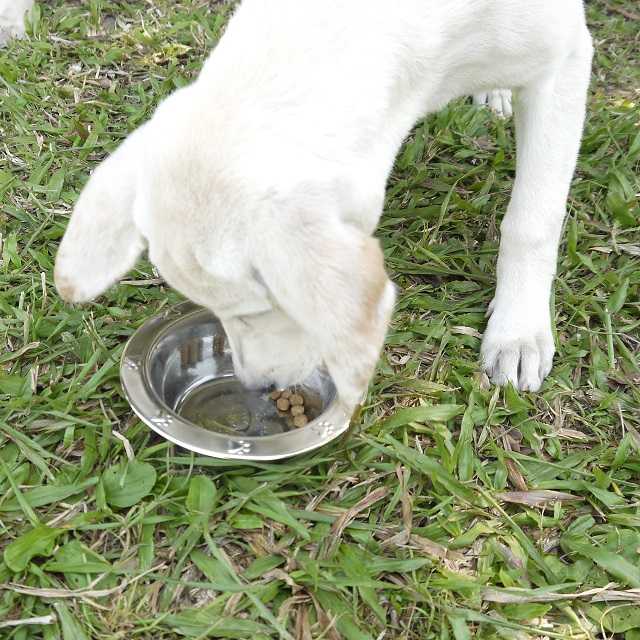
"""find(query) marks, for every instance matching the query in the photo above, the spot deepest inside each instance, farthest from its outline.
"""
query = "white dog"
(257, 188)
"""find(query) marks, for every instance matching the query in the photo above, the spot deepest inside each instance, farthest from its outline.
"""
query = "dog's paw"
(12, 19)
(7, 34)
(10, 31)
(498, 100)
(518, 347)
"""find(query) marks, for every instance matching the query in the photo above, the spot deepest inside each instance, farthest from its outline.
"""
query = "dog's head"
(293, 284)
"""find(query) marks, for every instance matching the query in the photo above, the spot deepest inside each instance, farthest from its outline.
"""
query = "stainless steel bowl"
(177, 374)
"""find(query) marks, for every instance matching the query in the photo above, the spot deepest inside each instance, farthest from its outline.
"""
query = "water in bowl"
(225, 406)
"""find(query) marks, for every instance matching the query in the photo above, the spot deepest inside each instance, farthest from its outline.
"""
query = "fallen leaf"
(537, 498)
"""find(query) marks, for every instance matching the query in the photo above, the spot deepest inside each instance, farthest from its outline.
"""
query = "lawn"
(451, 510)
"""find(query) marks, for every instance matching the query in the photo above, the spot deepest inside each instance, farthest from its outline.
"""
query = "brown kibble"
(274, 395)
(296, 398)
(300, 421)
(286, 393)
(282, 404)
(297, 410)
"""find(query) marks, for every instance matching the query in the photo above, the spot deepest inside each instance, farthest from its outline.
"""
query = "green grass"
(408, 528)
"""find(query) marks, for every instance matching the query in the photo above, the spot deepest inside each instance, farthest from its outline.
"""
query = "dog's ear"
(102, 242)
(330, 279)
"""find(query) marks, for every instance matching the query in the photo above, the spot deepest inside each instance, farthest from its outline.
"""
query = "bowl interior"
(190, 371)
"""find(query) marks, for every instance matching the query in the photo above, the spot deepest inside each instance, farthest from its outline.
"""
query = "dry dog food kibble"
(296, 399)
(300, 421)
(290, 405)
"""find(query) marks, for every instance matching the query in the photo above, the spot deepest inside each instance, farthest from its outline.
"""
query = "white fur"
(258, 187)
(12, 17)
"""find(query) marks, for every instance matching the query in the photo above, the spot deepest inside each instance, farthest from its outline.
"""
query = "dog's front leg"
(518, 343)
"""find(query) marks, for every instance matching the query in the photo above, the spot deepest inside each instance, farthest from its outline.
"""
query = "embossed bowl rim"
(149, 408)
